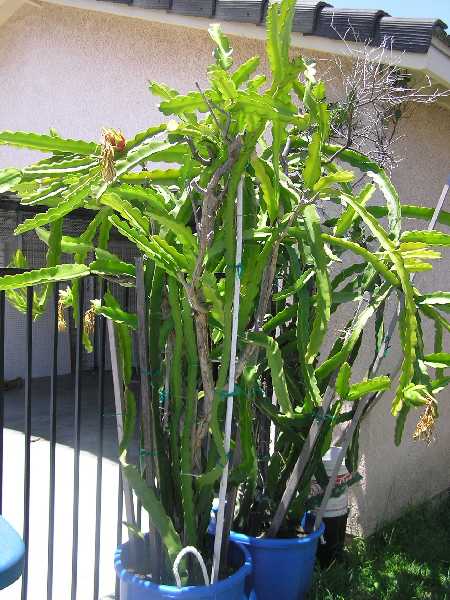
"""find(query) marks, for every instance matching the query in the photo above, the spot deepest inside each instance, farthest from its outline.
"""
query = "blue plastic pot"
(133, 587)
(282, 568)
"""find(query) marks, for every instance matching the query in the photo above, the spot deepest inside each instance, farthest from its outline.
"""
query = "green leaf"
(347, 217)
(266, 187)
(129, 420)
(275, 362)
(279, 21)
(223, 51)
(8, 179)
(400, 423)
(430, 238)
(431, 313)
(343, 380)
(338, 177)
(409, 337)
(290, 291)
(69, 245)
(58, 167)
(116, 314)
(47, 143)
(127, 211)
(177, 105)
(366, 254)
(392, 201)
(163, 260)
(41, 276)
(312, 170)
(74, 199)
(155, 509)
(222, 83)
(243, 72)
(357, 327)
(162, 90)
(143, 136)
(412, 211)
(281, 317)
(377, 384)
(155, 176)
(163, 248)
(438, 359)
(175, 153)
(439, 299)
(112, 266)
(323, 302)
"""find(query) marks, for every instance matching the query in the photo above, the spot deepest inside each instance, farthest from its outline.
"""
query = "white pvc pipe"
(231, 386)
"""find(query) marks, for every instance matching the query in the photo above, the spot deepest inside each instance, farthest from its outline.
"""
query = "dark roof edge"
(315, 17)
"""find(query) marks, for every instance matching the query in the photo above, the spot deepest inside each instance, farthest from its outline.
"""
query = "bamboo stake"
(347, 437)
(231, 389)
(147, 416)
(301, 463)
(120, 407)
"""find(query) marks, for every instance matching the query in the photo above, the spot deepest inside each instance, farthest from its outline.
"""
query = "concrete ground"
(13, 487)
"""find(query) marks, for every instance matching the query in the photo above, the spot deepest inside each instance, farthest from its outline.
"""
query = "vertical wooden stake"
(120, 407)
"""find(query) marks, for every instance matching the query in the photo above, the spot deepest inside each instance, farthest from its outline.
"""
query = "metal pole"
(100, 363)
(76, 438)
(53, 399)
(26, 490)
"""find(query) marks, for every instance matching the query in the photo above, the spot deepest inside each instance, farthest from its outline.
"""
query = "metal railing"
(100, 349)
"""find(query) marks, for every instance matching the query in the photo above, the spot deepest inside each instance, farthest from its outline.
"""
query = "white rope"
(231, 385)
(198, 556)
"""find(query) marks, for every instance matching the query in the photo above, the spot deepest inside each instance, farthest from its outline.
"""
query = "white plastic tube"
(231, 386)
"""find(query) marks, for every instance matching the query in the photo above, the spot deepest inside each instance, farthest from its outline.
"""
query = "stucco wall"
(78, 71)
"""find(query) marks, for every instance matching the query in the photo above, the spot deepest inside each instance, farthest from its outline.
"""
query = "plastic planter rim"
(221, 586)
(263, 542)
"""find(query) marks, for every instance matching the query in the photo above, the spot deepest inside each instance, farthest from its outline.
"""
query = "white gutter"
(435, 63)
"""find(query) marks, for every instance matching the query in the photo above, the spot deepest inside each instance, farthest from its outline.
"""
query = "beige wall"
(79, 71)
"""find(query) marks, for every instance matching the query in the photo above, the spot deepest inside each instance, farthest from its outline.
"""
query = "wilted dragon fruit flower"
(111, 140)
(425, 426)
(62, 325)
(89, 320)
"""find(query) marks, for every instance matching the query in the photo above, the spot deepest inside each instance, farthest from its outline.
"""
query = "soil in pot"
(134, 586)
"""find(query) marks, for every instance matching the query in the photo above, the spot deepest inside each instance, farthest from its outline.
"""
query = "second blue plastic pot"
(282, 568)
(134, 587)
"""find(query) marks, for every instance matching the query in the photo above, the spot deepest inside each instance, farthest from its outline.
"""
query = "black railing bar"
(2, 399)
(100, 332)
(76, 437)
(96, 286)
(13, 271)
(52, 415)
(27, 431)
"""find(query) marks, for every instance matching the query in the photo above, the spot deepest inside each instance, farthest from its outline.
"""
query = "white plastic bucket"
(336, 507)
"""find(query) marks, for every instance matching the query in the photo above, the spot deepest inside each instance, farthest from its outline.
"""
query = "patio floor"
(40, 447)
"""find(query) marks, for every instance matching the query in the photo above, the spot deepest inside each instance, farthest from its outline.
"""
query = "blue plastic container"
(282, 568)
(12, 551)
(133, 587)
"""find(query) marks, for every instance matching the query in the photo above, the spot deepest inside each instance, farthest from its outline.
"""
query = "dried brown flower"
(425, 426)
(111, 140)
(62, 325)
(89, 321)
